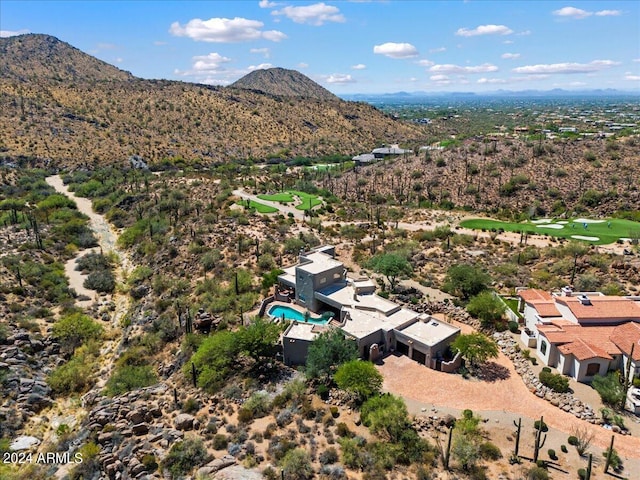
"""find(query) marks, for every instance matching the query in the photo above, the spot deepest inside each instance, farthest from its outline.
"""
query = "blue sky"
(354, 46)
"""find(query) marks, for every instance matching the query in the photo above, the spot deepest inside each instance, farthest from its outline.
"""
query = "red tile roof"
(542, 301)
(582, 342)
(624, 336)
(602, 308)
(533, 294)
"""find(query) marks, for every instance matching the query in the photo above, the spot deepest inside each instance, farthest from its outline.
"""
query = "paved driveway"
(404, 377)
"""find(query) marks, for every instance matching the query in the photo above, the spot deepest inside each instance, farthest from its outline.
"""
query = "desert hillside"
(66, 107)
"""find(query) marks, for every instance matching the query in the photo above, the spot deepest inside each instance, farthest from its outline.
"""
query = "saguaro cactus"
(518, 429)
(540, 440)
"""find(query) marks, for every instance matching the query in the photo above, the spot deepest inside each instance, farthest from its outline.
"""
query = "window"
(543, 347)
(593, 369)
(323, 280)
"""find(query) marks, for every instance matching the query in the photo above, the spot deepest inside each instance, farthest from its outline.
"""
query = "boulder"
(184, 421)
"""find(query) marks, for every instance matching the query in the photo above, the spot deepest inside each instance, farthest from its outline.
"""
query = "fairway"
(258, 207)
(597, 232)
(307, 200)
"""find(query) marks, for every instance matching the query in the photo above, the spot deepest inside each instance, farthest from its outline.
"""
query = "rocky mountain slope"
(283, 82)
(65, 107)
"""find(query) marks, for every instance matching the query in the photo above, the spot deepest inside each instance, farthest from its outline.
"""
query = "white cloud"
(485, 30)
(224, 30)
(580, 14)
(572, 12)
(608, 13)
(396, 50)
(484, 80)
(510, 56)
(209, 63)
(567, 67)
(303, 65)
(316, 14)
(261, 51)
(359, 66)
(439, 78)
(577, 84)
(425, 63)
(437, 50)
(262, 66)
(508, 42)
(636, 60)
(12, 33)
(340, 78)
(524, 33)
(267, 4)
(630, 76)
(449, 68)
(119, 60)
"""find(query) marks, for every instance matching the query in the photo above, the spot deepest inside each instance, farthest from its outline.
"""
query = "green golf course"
(307, 200)
(594, 231)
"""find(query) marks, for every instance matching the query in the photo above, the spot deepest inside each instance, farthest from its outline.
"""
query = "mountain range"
(63, 107)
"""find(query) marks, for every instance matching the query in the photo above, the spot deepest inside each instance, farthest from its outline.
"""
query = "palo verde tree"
(475, 347)
(466, 280)
(391, 265)
(487, 307)
(359, 378)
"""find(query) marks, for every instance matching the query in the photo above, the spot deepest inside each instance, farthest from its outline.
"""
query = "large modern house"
(319, 284)
(582, 334)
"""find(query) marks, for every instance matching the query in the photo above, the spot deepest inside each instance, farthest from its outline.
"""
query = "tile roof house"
(582, 334)
(321, 284)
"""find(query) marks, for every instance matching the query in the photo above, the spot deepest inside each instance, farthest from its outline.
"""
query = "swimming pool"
(277, 311)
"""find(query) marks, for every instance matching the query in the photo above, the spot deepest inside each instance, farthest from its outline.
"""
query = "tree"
(328, 351)
(76, 329)
(258, 339)
(391, 265)
(487, 307)
(385, 415)
(359, 378)
(214, 359)
(466, 280)
(475, 347)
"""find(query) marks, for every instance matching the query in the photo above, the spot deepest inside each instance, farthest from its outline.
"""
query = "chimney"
(566, 291)
(584, 300)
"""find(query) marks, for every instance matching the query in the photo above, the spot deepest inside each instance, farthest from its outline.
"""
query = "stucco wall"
(295, 351)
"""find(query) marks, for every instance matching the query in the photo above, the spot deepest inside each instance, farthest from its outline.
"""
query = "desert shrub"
(258, 404)
(75, 329)
(572, 440)
(245, 415)
(101, 281)
(184, 456)
(556, 382)
(490, 451)
(563, 448)
(296, 465)
(150, 463)
(220, 441)
(130, 377)
(513, 327)
(609, 388)
(552, 454)
(342, 430)
(330, 455)
(284, 418)
(75, 375)
(537, 473)
(90, 465)
(538, 425)
(582, 473)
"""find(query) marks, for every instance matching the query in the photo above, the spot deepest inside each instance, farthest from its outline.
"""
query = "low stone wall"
(453, 365)
(565, 401)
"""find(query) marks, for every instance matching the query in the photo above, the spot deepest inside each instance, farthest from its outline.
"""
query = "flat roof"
(429, 332)
(361, 323)
(345, 294)
(303, 331)
(318, 262)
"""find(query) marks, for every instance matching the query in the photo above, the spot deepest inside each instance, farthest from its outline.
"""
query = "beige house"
(378, 326)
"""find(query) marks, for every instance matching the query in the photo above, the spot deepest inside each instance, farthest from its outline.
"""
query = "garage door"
(403, 348)
(419, 356)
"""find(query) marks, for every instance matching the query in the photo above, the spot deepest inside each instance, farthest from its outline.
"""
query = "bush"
(563, 448)
(582, 473)
(490, 451)
(330, 455)
(130, 377)
(556, 382)
(342, 430)
(609, 388)
(75, 329)
(220, 442)
(184, 456)
(101, 281)
(296, 465)
(537, 425)
(552, 454)
(572, 440)
(514, 327)
(538, 473)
